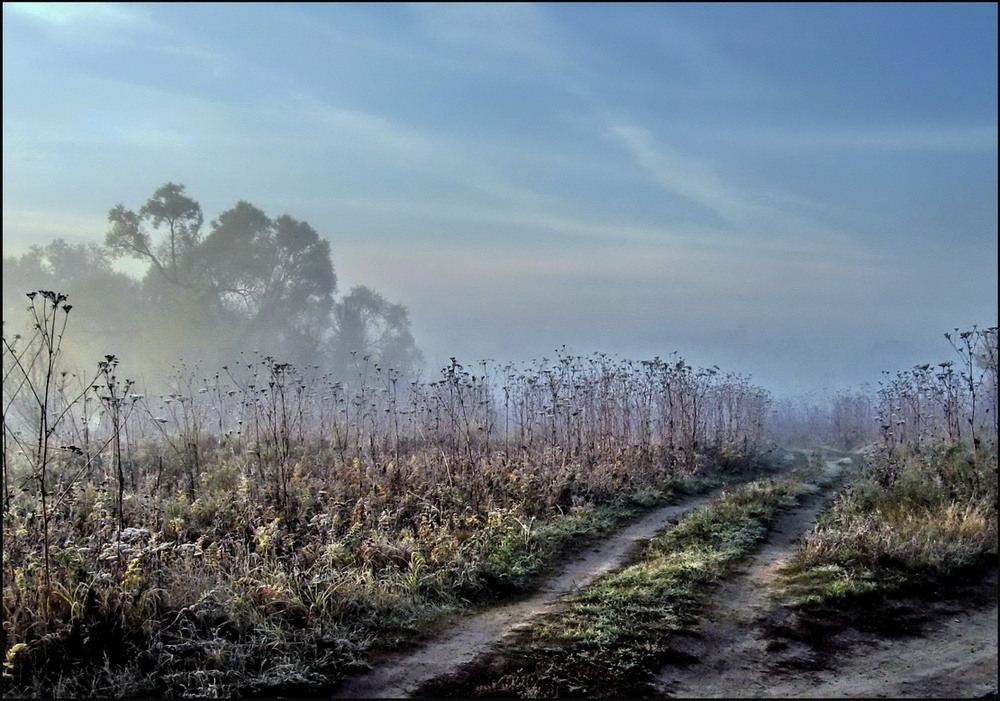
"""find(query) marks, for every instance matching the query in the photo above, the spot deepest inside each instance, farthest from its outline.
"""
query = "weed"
(259, 528)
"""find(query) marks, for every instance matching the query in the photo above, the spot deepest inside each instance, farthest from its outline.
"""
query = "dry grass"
(615, 634)
(935, 520)
(227, 595)
(258, 531)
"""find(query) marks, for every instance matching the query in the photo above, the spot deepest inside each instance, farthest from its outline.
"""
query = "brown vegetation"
(258, 529)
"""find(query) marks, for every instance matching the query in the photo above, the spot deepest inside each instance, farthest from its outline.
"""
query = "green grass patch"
(616, 633)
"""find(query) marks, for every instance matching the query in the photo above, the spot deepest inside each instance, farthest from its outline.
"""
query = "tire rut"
(400, 675)
(956, 656)
(731, 646)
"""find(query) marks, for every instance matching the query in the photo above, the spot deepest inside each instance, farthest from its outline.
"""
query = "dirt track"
(738, 657)
(956, 654)
(400, 675)
(954, 658)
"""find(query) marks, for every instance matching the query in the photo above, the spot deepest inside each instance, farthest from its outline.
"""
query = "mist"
(250, 289)
(737, 185)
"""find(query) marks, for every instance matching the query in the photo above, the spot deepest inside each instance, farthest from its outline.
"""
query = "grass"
(933, 523)
(612, 637)
(258, 531)
(225, 595)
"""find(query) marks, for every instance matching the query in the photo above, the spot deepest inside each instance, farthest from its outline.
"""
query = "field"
(261, 529)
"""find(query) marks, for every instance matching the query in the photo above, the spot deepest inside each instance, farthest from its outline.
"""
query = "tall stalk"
(35, 369)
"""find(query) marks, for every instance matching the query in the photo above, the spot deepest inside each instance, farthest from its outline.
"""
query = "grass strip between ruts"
(611, 638)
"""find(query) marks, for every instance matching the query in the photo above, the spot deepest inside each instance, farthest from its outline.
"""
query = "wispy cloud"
(682, 267)
(680, 175)
(72, 13)
(121, 25)
(513, 41)
(44, 225)
(368, 131)
(379, 138)
(772, 220)
(153, 137)
(505, 29)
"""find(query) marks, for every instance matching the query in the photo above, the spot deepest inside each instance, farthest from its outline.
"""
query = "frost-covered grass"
(258, 529)
(225, 595)
(613, 636)
(903, 527)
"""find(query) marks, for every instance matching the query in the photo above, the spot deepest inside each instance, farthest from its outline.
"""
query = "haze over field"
(803, 193)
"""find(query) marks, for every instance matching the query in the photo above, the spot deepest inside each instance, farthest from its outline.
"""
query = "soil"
(745, 648)
(946, 648)
(400, 675)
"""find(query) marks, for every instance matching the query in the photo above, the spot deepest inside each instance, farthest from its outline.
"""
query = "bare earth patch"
(953, 654)
(955, 657)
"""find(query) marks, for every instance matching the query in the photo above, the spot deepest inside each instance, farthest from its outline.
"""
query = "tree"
(275, 274)
(109, 308)
(252, 282)
(170, 209)
(367, 324)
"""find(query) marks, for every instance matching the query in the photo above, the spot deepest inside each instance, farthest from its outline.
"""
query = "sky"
(805, 194)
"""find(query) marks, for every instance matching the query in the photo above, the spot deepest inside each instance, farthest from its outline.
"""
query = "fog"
(803, 194)
(248, 287)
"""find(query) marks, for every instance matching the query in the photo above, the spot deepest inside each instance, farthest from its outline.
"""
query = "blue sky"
(806, 194)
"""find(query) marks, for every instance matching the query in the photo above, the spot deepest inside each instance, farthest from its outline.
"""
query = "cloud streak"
(64, 14)
(624, 178)
(690, 178)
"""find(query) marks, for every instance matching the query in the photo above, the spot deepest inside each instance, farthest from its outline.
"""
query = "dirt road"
(737, 656)
(400, 675)
(956, 656)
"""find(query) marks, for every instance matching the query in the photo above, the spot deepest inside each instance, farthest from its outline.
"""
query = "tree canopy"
(251, 282)
(367, 324)
(168, 209)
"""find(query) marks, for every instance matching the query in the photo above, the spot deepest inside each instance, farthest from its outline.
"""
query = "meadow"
(263, 528)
